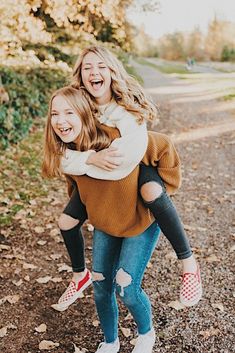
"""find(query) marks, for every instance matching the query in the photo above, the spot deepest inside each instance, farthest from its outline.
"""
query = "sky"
(183, 15)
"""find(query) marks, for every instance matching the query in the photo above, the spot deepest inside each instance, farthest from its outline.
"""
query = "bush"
(29, 91)
(228, 54)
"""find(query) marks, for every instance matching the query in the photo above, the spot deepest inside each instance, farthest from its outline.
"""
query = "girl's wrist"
(90, 159)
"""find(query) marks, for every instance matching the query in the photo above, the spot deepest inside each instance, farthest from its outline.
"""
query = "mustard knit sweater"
(114, 206)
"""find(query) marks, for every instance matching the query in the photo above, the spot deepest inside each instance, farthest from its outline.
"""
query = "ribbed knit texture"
(114, 206)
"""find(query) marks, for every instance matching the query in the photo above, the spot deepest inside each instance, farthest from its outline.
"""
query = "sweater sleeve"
(162, 154)
(74, 162)
(132, 145)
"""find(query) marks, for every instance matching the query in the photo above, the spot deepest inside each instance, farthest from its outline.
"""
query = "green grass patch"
(167, 68)
(229, 97)
(20, 177)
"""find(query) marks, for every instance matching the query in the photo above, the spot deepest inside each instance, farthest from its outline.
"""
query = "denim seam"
(142, 265)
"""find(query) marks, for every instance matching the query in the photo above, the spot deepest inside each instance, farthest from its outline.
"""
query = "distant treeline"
(218, 44)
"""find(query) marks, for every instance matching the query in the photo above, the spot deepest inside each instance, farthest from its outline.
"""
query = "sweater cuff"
(74, 162)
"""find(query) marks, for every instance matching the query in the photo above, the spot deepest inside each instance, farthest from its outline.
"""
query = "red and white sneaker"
(73, 292)
(191, 288)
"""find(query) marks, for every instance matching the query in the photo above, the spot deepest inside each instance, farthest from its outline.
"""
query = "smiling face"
(96, 77)
(64, 120)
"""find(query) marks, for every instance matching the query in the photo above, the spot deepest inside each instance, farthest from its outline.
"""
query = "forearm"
(75, 162)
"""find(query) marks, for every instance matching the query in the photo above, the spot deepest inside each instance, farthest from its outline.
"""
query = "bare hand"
(107, 159)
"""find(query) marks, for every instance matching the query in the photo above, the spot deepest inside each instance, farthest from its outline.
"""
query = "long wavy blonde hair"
(126, 90)
(92, 136)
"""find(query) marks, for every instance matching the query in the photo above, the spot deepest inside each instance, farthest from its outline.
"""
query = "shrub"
(228, 54)
(29, 91)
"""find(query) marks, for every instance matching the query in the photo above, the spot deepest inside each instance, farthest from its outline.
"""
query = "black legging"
(162, 209)
(165, 213)
(73, 238)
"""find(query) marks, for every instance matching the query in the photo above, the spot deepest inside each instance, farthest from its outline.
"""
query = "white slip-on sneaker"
(109, 347)
(145, 343)
(191, 288)
(73, 292)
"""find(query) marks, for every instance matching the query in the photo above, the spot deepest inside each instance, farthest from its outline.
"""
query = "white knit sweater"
(132, 145)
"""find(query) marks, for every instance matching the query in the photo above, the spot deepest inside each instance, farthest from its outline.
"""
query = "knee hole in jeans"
(151, 191)
(97, 276)
(123, 279)
(67, 222)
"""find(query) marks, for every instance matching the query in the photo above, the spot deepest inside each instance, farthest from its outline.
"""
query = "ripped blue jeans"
(118, 267)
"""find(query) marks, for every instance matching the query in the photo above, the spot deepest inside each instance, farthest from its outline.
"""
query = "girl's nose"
(60, 119)
(94, 71)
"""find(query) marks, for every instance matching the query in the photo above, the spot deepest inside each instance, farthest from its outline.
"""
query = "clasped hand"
(108, 159)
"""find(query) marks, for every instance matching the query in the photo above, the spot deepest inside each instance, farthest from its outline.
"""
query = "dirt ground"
(34, 261)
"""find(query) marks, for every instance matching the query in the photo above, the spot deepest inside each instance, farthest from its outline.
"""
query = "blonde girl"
(121, 102)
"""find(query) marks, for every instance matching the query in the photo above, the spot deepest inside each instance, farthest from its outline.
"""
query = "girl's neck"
(102, 107)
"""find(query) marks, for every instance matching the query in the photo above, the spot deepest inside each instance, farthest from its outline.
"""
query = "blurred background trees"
(40, 40)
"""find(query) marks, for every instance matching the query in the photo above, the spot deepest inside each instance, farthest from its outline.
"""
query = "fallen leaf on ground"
(64, 267)
(3, 331)
(55, 256)
(210, 332)
(126, 331)
(232, 248)
(39, 230)
(133, 341)
(171, 256)
(128, 317)
(47, 345)
(218, 306)
(4, 247)
(212, 258)
(176, 305)
(12, 299)
(27, 266)
(17, 283)
(41, 328)
(43, 280)
(95, 323)
(41, 242)
(57, 279)
(54, 232)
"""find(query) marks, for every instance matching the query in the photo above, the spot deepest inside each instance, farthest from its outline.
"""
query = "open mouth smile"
(65, 130)
(96, 84)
